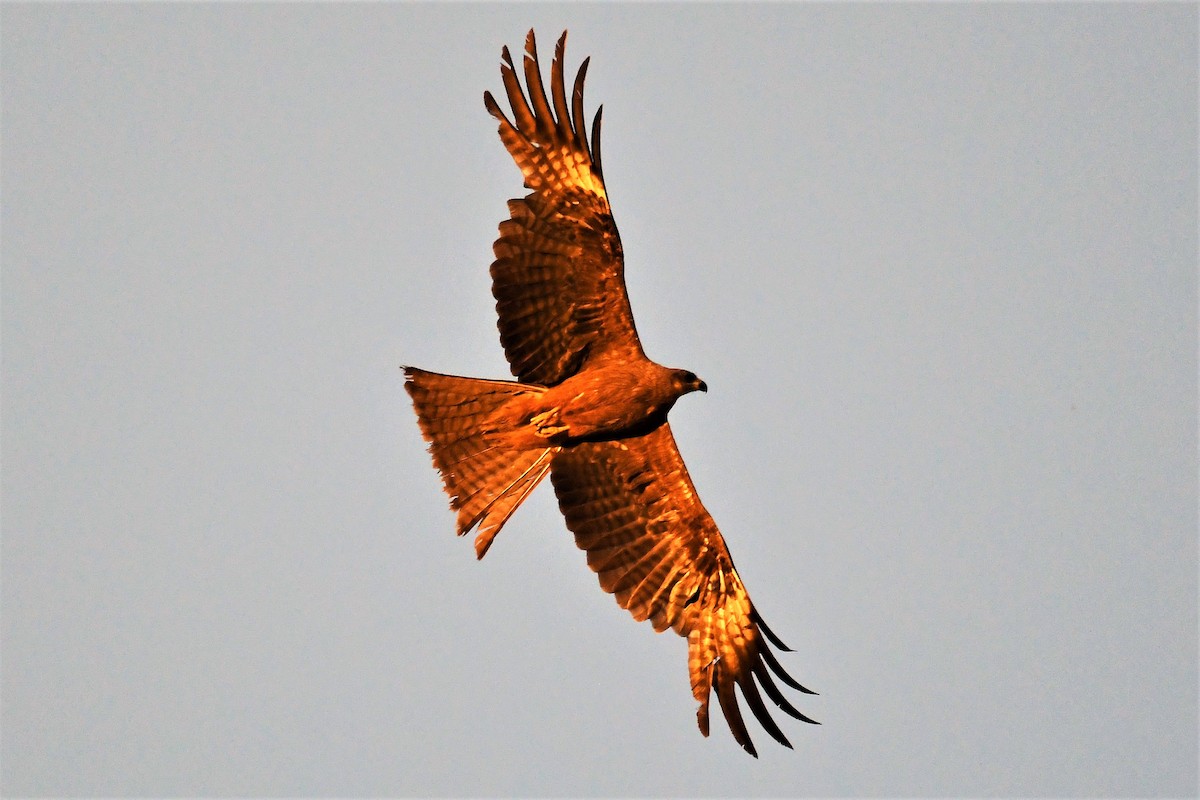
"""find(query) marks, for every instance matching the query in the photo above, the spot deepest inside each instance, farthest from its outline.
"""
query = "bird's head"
(686, 381)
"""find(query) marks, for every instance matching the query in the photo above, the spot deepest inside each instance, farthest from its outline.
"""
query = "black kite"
(591, 409)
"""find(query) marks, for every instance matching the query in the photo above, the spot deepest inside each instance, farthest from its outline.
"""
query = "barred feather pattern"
(633, 508)
(558, 277)
(485, 479)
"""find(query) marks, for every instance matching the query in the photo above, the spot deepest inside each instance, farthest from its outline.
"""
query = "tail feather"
(492, 518)
(486, 479)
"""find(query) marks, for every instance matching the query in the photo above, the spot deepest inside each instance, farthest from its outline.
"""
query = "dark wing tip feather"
(558, 90)
(779, 671)
(533, 80)
(596, 142)
(768, 685)
(733, 715)
(770, 634)
(493, 107)
(754, 700)
(578, 120)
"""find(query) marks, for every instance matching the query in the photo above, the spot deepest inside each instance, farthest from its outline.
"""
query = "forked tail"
(486, 480)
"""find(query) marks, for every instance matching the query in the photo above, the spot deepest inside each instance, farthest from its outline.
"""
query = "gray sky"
(937, 264)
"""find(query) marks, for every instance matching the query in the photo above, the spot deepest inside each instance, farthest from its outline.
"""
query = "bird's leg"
(547, 423)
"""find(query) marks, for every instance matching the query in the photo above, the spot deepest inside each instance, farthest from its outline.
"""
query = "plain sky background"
(937, 263)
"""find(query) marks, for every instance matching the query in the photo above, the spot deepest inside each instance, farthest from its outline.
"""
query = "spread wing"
(558, 277)
(633, 508)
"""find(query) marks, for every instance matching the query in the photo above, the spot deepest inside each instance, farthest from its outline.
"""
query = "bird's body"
(590, 409)
(614, 401)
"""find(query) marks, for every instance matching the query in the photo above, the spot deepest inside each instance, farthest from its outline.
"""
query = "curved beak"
(702, 386)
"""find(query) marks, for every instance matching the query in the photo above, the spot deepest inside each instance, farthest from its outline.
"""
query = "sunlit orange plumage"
(590, 409)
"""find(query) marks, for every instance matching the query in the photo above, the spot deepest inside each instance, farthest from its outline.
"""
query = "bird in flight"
(589, 408)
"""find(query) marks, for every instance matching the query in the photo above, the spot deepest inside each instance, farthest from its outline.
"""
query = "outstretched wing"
(558, 277)
(633, 508)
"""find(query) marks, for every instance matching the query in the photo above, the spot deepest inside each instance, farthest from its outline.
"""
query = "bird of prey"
(589, 408)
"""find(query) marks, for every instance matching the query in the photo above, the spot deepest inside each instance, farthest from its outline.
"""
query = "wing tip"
(769, 658)
(546, 120)
(490, 103)
(749, 674)
(770, 634)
